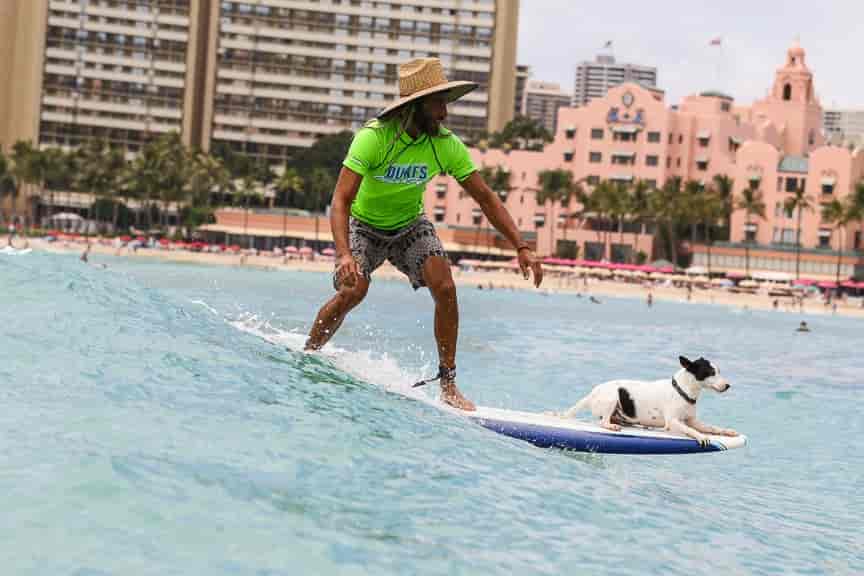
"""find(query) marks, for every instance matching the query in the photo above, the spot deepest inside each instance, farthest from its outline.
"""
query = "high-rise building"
(844, 126)
(542, 101)
(286, 73)
(523, 72)
(594, 79)
(261, 76)
(78, 70)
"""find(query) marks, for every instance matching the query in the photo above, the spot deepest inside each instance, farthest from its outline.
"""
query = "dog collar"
(682, 393)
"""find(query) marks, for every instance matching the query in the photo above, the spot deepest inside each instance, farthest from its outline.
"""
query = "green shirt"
(395, 171)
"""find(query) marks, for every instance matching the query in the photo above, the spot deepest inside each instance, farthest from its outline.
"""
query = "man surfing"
(377, 210)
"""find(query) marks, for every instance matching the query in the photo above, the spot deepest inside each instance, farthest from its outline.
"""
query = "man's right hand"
(347, 271)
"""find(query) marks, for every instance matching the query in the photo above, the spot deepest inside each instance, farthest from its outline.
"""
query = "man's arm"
(500, 218)
(346, 190)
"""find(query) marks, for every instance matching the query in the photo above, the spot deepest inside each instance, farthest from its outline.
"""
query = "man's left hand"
(528, 261)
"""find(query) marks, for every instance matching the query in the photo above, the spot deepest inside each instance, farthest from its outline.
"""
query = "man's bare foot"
(451, 395)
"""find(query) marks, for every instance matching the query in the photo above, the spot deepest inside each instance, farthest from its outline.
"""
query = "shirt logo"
(405, 174)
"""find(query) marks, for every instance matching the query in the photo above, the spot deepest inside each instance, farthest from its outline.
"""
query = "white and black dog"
(666, 404)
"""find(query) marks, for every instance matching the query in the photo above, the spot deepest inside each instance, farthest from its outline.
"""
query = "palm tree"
(799, 201)
(840, 214)
(752, 204)
(724, 186)
(319, 187)
(8, 185)
(640, 208)
(621, 208)
(287, 184)
(554, 185)
(667, 205)
(248, 186)
(709, 210)
(28, 169)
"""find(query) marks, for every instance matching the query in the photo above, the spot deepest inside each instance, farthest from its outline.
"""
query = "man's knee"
(443, 289)
(350, 297)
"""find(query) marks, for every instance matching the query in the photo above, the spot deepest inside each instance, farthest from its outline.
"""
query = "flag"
(608, 44)
(716, 41)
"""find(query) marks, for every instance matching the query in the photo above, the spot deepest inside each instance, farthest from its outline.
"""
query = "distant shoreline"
(553, 283)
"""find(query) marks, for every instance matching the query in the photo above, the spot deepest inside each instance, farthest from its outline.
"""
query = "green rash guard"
(395, 171)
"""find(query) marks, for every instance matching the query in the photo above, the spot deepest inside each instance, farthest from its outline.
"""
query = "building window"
(653, 137)
(652, 160)
(702, 164)
(476, 216)
(624, 159)
(678, 162)
(570, 133)
(725, 106)
(857, 242)
(787, 92)
(593, 180)
(791, 184)
(651, 183)
(595, 157)
(441, 191)
(568, 156)
(439, 214)
(750, 232)
(824, 238)
(827, 188)
(539, 220)
(680, 138)
(596, 133)
(779, 184)
(668, 162)
(671, 137)
(703, 142)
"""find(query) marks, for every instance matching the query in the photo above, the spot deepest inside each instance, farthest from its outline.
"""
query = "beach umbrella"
(748, 284)
(328, 252)
(827, 285)
(291, 249)
(306, 250)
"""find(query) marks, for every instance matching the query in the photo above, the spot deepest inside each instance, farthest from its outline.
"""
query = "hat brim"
(455, 90)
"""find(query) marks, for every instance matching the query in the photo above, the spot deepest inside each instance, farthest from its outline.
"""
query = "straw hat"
(422, 77)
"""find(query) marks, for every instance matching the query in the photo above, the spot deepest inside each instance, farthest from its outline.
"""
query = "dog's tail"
(578, 407)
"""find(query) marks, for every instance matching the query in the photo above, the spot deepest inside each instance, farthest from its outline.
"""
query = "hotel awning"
(824, 233)
(626, 129)
(735, 140)
(701, 159)
(439, 210)
(750, 227)
(829, 181)
(623, 154)
(704, 134)
(622, 177)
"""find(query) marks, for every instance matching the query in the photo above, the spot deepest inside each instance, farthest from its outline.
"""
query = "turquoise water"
(154, 421)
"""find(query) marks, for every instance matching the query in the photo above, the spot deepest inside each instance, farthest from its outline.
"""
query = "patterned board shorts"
(406, 248)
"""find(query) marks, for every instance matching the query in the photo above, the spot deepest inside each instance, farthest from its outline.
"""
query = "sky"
(674, 36)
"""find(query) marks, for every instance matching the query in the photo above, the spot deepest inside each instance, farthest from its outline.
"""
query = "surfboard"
(548, 431)
(542, 430)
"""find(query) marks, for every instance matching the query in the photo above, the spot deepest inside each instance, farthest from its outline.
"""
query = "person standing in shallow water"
(377, 211)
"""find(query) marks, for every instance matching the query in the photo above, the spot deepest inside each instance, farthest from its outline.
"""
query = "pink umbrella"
(804, 282)
(849, 284)
(827, 285)
(291, 249)
(306, 250)
(328, 252)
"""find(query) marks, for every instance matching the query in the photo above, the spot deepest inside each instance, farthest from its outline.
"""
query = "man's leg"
(331, 315)
(437, 276)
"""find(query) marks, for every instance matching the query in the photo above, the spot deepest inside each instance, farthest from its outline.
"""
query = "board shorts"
(406, 248)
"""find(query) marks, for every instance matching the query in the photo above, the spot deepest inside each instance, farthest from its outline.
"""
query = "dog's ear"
(685, 363)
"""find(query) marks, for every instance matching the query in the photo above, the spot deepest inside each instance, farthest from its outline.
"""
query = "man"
(377, 210)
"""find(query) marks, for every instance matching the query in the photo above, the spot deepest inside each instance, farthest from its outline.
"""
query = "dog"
(666, 404)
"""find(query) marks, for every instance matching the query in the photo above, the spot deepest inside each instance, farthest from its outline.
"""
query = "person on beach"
(377, 210)
(802, 327)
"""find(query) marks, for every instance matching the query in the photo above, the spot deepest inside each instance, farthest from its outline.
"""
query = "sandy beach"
(554, 282)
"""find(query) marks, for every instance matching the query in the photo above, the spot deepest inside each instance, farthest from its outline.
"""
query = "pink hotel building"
(631, 134)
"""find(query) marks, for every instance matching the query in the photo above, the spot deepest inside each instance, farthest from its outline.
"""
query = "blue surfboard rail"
(583, 437)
